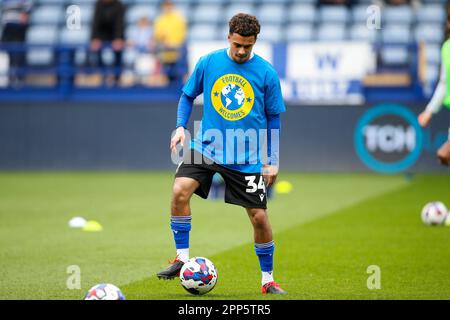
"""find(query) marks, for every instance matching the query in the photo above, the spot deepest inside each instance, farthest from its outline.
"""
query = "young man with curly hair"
(242, 101)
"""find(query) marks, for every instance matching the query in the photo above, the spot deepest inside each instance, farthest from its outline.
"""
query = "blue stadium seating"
(398, 15)
(74, 37)
(202, 32)
(281, 20)
(48, 15)
(430, 33)
(302, 13)
(331, 32)
(333, 14)
(397, 33)
(359, 13)
(432, 73)
(41, 35)
(433, 54)
(300, 32)
(272, 32)
(271, 13)
(431, 14)
(360, 32)
(233, 9)
(207, 13)
(152, 2)
(394, 56)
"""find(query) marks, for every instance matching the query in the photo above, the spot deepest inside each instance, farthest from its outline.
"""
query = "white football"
(104, 291)
(198, 275)
(434, 213)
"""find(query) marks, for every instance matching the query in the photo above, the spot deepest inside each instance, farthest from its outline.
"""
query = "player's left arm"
(270, 170)
(274, 106)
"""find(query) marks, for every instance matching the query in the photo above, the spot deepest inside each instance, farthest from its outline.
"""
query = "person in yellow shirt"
(169, 37)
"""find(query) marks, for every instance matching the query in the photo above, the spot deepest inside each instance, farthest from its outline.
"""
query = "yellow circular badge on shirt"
(232, 96)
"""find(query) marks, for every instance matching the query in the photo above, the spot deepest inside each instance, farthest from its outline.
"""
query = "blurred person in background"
(108, 28)
(440, 97)
(170, 36)
(14, 17)
(140, 39)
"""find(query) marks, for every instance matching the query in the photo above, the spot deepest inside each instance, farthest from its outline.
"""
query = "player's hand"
(424, 118)
(179, 137)
(270, 174)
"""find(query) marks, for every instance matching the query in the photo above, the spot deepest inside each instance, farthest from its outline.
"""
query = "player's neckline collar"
(228, 55)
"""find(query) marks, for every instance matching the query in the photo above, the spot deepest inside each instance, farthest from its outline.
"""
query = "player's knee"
(180, 194)
(259, 220)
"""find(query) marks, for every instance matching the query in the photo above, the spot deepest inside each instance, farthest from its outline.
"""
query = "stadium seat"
(207, 13)
(279, 2)
(359, 13)
(219, 2)
(148, 2)
(240, 1)
(331, 32)
(74, 37)
(202, 32)
(233, 9)
(302, 13)
(41, 35)
(396, 34)
(431, 14)
(398, 15)
(299, 32)
(430, 33)
(433, 54)
(47, 15)
(303, 2)
(190, 2)
(271, 33)
(333, 14)
(360, 32)
(135, 12)
(271, 13)
(432, 73)
(394, 56)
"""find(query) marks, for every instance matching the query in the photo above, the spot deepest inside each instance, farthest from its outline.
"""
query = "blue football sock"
(181, 225)
(264, 251)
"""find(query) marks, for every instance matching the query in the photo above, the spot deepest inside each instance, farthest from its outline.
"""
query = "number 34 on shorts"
(254, 186)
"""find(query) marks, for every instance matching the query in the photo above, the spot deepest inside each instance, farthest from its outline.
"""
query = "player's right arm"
(435, 104)
(192, 89)
(184, 112)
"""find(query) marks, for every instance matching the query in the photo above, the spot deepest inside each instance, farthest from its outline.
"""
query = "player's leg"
(189, 179)
(444, 153)
(180, 220)
(249, 191)
(180, 223)
(264, 248)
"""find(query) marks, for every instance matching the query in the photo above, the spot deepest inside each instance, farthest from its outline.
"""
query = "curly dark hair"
(245, 25)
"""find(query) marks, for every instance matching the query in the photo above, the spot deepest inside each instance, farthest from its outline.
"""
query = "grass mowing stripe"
(328, 258)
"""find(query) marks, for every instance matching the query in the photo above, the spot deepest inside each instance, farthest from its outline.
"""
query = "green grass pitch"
(327, 231)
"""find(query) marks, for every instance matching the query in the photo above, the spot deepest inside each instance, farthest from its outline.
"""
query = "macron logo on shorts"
(261, 196)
